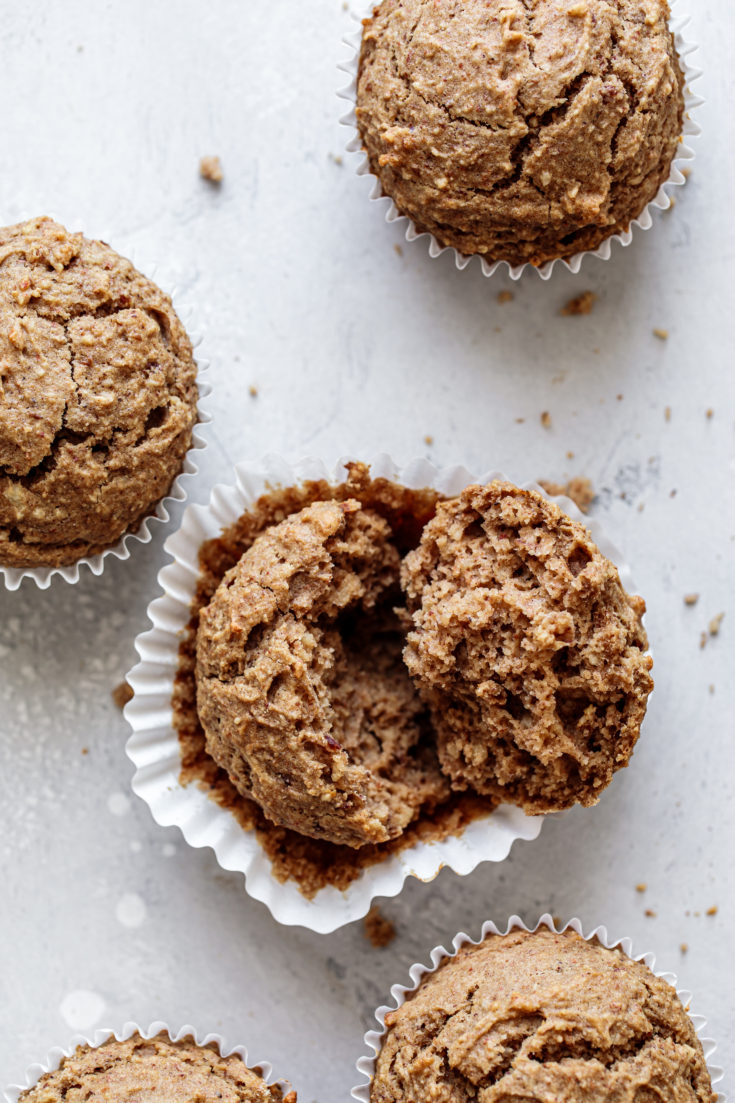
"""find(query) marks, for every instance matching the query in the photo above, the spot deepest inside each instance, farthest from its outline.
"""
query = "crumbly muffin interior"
(527, 647)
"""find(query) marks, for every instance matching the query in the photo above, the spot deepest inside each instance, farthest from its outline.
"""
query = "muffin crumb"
(714, 625)
(712, 911)
(580, 304)
(691, 599)
(546, 419)
(579, 489)
(122, 693)
(641, 886)
(379, 930)
(505, 297)
(667, 413)
(253, 391)
(210, 168)
(662, 334)
(650, 913)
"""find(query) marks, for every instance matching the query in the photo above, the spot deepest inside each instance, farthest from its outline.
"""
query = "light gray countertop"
(298, 290)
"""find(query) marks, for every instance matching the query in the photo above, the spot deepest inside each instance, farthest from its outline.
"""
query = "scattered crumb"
(253, 391)
(641, 887)
(505, 297)
(85, 750)
(619, 397)
(290, 1097)
(712, 911)
(684, 947)
(520, 420)
(345, 5)
(570, 455)
(397, 249)
(378, 930)
(686, 173)
(337, 158)
(650, 913)
(662, 334)
(210, 168)
(428, 439)
(122, 694)
(546, 419)
(714, 625)
(712, 688)
(667, 414)
(641, 507)
(703, 640)
(672, 493)
(580, 490)
(709, 412)
(691, 599)
(581, 304)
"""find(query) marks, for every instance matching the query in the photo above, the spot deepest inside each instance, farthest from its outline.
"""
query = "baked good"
(526, 646)
(156, 1069)
(301, 691)
(97, 395)
(540, 1017)
(518, 130)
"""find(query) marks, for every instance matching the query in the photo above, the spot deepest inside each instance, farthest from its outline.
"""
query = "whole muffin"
(527, 648)
(156, 1069)
(97, 395)
(301, 691)
(521, 130)
(543, 1017)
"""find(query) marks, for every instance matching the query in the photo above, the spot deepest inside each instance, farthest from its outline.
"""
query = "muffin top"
(301, 691)
(157, 1070)
(97, 395)
(518, 129)
(527, 648)
(541, 1016)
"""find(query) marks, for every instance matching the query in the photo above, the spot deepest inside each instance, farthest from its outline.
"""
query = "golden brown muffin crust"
(527, 647)
(157, 1070)
(300, 686)
(97, 395)
(522, 130)
(539, 1017)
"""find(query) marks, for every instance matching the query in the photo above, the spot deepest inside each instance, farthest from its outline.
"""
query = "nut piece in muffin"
(527, 648)
(539, 1017)
(97, 395)
(520, 130)
(156, 1069)
(301, 691)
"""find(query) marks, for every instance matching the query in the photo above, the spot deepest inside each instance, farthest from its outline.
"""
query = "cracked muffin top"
(301, 691)
(521, 130)
(527, 648)
(97, 395)
(538, 1017)
(155, 1069)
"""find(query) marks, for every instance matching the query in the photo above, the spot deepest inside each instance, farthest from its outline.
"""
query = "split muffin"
(98, 395)
(301, 690)
(520, 131)
(539, 1017)
(155, 1068)
(527, 648)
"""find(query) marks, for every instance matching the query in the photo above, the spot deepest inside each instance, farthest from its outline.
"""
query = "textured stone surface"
(352, 347)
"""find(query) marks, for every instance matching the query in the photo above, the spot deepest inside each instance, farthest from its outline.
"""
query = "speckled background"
(299, 291)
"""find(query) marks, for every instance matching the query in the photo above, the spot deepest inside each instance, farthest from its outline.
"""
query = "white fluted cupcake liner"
(54, 1058)
(154, 745)
(644, 221)
(178, 491)
(374, 1038)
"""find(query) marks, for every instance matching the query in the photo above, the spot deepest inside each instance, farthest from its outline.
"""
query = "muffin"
(522, 132)
(154, 1068)
(529, 652)
(97, 395)
(301, 690)
(539, 1017)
